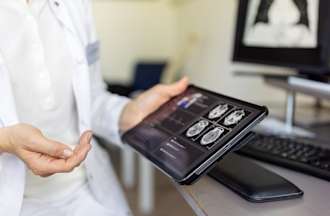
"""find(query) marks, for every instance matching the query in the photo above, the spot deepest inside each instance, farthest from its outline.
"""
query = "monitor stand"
(309, 83)
(312, 85)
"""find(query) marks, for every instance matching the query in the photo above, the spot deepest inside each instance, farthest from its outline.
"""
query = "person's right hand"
(43, 156)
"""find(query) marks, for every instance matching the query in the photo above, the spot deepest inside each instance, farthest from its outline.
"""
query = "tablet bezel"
(214, 156)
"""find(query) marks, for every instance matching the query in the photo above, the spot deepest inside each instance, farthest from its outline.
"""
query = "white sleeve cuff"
(107, 112)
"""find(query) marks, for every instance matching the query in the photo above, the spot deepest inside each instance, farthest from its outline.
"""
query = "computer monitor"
(289, 33)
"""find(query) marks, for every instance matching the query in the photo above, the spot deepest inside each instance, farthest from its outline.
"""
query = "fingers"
(175, 88)
(85, 138)
(79, 155)
(44, 165)
(52, 148)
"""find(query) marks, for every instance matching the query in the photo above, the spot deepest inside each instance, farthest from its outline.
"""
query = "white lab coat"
(97, 109)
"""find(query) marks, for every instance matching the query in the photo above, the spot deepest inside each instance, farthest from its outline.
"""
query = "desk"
(208, 197)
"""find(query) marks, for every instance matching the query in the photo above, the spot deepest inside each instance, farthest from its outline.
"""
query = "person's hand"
(43, 156)
(148, 102)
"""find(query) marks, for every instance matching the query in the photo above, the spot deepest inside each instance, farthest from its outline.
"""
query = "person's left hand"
(148, 102)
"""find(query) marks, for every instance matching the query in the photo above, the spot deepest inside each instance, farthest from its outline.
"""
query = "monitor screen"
(291, 33)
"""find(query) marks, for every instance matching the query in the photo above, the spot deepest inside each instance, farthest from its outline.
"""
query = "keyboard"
(296, 154)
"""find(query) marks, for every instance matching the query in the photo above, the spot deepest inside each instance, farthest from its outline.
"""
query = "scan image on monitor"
(282, 23)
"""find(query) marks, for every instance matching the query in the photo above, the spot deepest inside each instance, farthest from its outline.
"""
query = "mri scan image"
(197, 128)
(218, 111)
(234, 117)
(212, 136)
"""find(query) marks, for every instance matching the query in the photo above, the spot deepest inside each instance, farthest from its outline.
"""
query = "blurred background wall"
(131, 30)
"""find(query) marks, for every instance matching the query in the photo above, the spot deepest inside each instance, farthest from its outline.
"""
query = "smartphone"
(187, 135)
(253, 182)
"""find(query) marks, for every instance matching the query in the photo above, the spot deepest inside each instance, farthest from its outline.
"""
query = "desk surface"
(208, 197)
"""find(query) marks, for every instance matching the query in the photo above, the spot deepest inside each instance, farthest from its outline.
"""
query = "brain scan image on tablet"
(212, 136)
(234, 118)
(197, 128)
(218, 111)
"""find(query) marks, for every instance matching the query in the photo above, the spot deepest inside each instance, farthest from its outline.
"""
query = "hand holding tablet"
(191, 132)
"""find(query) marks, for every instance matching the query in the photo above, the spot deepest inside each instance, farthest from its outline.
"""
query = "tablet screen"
(188, 129)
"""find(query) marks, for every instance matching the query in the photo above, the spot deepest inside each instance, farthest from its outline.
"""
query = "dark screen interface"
(188, 129)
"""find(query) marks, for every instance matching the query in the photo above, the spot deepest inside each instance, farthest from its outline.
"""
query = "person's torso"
(42, 87)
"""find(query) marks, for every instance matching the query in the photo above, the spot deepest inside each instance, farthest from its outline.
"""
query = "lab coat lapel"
(66, 15)
(60, 10)
(61, 14)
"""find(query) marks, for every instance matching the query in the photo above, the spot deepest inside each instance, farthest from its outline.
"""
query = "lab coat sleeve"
(106, 108)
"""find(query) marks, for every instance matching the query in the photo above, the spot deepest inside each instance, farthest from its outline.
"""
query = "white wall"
(133, 30)
(214, 21)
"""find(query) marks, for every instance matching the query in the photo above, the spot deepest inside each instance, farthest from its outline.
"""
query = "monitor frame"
(315, 60)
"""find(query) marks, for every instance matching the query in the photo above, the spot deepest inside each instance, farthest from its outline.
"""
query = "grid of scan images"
(219, 121)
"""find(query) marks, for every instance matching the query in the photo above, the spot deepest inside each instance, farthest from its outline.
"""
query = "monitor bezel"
(314, 59)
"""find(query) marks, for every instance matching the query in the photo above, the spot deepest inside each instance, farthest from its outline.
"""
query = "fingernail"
(67, 153)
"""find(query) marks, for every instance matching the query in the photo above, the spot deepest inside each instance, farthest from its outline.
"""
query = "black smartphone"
(191, 132)
(253, 182)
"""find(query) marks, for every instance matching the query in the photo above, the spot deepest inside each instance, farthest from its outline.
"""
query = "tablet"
(191, 132)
